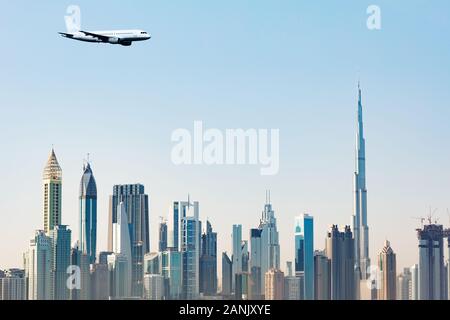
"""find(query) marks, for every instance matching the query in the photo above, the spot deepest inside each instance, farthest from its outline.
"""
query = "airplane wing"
(95, 35)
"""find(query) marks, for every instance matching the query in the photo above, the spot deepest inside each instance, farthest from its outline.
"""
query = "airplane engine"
(114, 40)
(126, 43)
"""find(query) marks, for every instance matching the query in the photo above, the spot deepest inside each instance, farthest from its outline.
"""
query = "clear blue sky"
(291, 65)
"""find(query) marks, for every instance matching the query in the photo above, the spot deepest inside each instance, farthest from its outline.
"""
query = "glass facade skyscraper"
(88, 214)
(432, 272)
(340, 250)
(236, 258)
(172, 271)
(137, 208)
(162, 243)
(190, 249)
(38, 267)
(359, 218)
(270, 246)
(255, 284)
(227, 275)
(304, 253)
(61, 238)
(208, 262)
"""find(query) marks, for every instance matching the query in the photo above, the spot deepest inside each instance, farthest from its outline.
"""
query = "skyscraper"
(178, 211)
(255, 285)
(227, 274)
(172, 271)
(12, 285)
(340, 251)
(241, 286)
(388, 267)
(270, 247)
(292, 284)
(118, 266)
(52, 188)
(38, 267)
(245, 256)
(274, 284)
(60, 240)
(414, 287)
(304, 253)
(162, 243)
(122, 256)
(153, 287)
(322, 281)
(359, 219)
(137, 208)
(81, 286)
(208, 262)
(432, 272)
(237, 252)
(190, 248)
(100, 284)
(404, 285)
(88, 213)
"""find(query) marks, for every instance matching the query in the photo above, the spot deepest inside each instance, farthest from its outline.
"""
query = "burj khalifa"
(360, 227)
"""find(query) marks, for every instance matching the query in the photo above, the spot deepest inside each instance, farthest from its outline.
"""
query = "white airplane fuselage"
(122, 37)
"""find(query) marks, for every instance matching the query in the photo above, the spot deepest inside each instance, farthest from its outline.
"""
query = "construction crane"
(430, 216)
(422, 220)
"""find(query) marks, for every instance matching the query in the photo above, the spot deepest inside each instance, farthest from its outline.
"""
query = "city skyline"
(405, 100)
(135, 271)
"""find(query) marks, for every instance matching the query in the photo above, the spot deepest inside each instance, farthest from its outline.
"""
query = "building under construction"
(433, 273)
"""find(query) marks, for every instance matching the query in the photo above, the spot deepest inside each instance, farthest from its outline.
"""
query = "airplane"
(122, 37)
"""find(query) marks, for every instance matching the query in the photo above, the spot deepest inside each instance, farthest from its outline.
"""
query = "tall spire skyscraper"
(88, 213)
(360, 227)
(52, 185)
(270, 246)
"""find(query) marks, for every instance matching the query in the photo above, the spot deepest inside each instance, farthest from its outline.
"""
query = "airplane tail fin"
(66, 35)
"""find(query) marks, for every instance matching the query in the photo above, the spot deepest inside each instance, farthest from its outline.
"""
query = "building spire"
(267, 196)
(359, 219)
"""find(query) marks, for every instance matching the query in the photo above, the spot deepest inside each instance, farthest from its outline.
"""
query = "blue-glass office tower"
(255, 285)
(227, 274)
(88, 214)
(60, 238)
(137, 209)
(190, 249)
(208, 262)
(179, 209)
(173, 276)
(304, 253)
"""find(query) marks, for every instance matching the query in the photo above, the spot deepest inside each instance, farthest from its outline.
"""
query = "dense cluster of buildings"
(185, 265)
